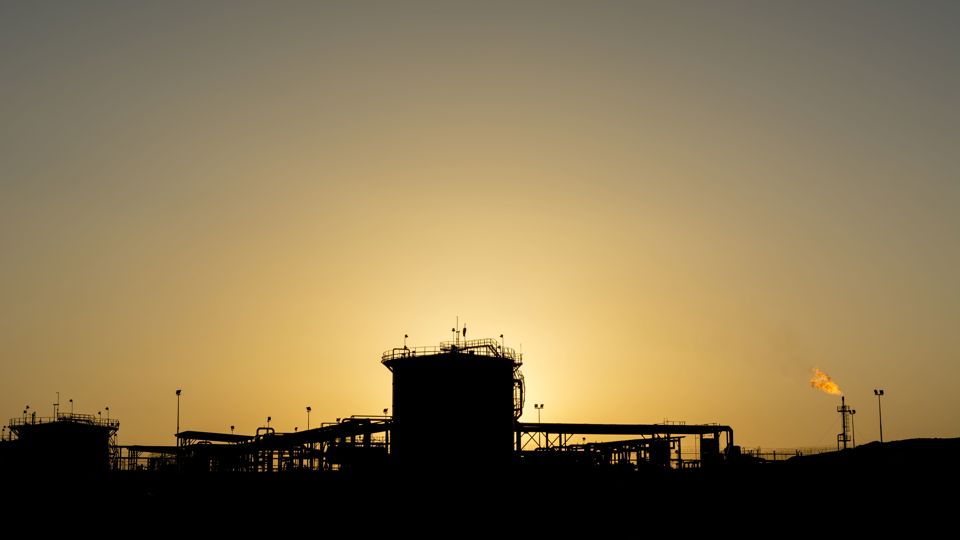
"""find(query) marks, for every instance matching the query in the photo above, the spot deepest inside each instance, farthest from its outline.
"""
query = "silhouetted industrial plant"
(455, 412)
(481, 431)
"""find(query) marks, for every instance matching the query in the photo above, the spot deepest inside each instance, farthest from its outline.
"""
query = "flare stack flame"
(823, 381)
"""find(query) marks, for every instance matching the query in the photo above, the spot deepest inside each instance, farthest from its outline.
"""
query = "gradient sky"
(679, 209)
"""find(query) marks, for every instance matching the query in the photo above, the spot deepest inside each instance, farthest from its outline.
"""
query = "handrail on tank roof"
(480, 347)
(90, 419)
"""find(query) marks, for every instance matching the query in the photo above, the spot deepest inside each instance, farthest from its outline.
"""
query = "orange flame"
(823, 381)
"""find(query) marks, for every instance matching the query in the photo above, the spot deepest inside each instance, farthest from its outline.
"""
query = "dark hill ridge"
(907, 455)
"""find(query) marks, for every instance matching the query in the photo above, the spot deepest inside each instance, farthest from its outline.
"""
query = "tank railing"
(481, 347)
(65, 417)
(485, 347)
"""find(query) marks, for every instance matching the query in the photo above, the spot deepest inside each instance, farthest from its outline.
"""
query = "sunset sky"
(679, 209)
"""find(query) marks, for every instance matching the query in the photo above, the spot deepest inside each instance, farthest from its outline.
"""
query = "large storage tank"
(455, 405)
(63, 445)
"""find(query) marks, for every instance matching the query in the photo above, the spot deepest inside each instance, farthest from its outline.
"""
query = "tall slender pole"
(538, 407)
(853, 426)
(178, 411)
(879, 393)
(880, 415)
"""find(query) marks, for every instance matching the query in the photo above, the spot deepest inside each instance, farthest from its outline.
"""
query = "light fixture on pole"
(879, 394)
(178, 411)
(853, 427)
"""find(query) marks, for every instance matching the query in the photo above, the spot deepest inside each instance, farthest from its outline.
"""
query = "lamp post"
(231, 429)
(108, 413)
(269, 418)
(71, 406)
(178, 411)
(853, 427)
(308, 416)
(539, 407)
(879, 394)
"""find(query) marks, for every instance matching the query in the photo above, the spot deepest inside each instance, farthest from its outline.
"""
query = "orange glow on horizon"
(636, 196)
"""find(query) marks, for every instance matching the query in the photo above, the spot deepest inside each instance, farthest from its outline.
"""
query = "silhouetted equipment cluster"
(846, 422)
(456, 406)
(465, 391)
(62, 444)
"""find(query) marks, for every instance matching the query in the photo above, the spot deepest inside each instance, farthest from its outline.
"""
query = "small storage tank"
(455, 405)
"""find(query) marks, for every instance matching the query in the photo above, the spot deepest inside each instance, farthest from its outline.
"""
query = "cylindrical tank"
(454, 405)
